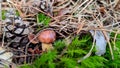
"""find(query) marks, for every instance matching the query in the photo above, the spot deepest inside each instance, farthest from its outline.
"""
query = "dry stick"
(61, 34)
(86, 6)
(81, 26)
(115, 48)
(21, 14)
(77, 7)
(63, 27)
(105, 34)
(81, 5)
(99, 29)
(24, 1)
(115, 39)
(116, 4)
(5, 63)
(77, 3)
(3, 38)
(72, 2)
(90, 51)
(26, 49)
(65, 5)
(62, 2)
(22, 56)
(45, 13)
(108, 14)
(57, 8)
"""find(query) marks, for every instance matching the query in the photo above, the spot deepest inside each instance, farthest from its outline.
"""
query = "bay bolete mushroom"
(47, 37)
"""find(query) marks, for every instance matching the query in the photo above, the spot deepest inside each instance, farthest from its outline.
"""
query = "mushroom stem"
(46, 47)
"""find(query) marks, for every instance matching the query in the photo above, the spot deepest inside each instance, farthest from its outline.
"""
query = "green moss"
(46, 60)
(93, 62)
(77, 49)
(3, 14)
(41, 18)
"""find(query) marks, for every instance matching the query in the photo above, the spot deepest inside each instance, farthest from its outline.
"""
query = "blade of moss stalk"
(41, 18)
(37, 18)
(38, 21)
(17, 13)
(3, 14)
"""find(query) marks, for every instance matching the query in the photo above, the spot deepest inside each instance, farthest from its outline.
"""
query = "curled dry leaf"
(102, 10)
(100, 42)
(32, 39)
(36, 50)
(31, 50)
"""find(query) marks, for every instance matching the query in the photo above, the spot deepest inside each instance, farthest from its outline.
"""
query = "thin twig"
(106, 37)
(90, 51)
(114, 41)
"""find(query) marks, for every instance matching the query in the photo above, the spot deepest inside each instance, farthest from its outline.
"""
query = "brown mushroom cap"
(47, 36)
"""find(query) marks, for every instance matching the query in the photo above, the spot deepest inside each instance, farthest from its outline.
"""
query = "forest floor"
(59, 33)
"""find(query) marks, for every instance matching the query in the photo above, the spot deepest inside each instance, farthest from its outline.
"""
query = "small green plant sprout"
(42, 19)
